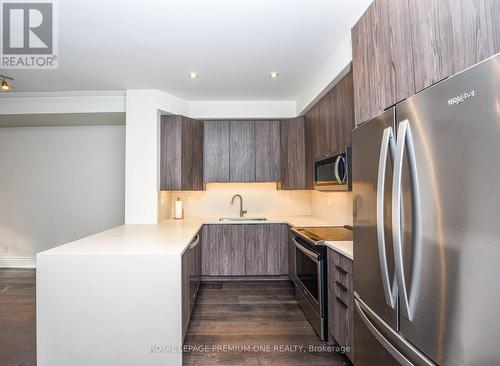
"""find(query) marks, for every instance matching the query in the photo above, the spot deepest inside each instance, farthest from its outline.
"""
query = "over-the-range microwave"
(332, 172)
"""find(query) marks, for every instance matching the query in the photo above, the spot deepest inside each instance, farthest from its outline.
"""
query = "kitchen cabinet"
(449, 36)
(267, 151)
(191, 277)
(216, 151)
(245, 250)
(329, 124)
(382, 58)
(223, 250)
(242, 151)
(266, 251)
(293, 155)
(340, 300)
(181, 154)
(291, 257)
(401, 47)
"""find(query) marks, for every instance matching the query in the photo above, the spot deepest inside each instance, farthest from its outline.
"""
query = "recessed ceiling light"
(193, 75)
(274, 74)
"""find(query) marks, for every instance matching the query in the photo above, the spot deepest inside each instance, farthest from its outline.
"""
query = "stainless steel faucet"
(242, 211)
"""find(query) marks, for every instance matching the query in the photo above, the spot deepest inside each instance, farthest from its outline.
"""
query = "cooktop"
(326, 233)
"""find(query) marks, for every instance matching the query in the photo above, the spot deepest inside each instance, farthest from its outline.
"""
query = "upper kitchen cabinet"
(242, 151)
(382, 58)
(267, 151)
(401, 47)
(216, 151)
(181, 154)
(293, 155)
(342, 112)
(330, 122)
(449, 36)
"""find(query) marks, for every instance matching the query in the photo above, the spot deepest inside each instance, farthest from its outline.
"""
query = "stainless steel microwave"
(332, 172)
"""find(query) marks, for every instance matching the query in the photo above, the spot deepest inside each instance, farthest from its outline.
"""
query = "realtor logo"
(29, 38)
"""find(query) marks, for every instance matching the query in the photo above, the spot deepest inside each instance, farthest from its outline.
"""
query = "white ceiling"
(232, 44)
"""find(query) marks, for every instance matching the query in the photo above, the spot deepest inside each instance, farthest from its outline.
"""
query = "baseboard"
(17, 262)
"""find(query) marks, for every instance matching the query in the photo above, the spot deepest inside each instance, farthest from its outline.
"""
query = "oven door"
(308, 266)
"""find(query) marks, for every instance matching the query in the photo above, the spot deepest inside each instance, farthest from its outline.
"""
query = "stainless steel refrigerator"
(426, 191)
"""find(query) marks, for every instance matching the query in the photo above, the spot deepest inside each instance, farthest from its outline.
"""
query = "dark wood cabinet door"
(256, 250)
(186, 303)
(432, 41)
(291, 257)
(450, 35)
(181, 154)
(342, 101)
(242, 151)
(216, 151)
(475, 31)
(277, 253)
(266, 250)
(340, 300)
(223, 250)
(293, 155)
(170, 153)
(382, 58)
(192, 155)
(267, 151)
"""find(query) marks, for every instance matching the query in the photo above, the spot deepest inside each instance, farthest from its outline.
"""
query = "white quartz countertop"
(169, 237)
(343, 247)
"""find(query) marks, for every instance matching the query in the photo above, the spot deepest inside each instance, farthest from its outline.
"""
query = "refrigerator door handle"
(390, 339)
(388, 145)
(408, 299)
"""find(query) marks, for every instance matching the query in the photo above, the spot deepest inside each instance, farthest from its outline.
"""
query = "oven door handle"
(309, 253)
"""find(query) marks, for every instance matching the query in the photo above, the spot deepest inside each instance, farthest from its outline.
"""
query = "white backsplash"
(335, 207)
(259, 199)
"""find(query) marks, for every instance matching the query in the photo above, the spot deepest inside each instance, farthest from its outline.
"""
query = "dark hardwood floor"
(17, 317)
(236, 323)
(253, 320)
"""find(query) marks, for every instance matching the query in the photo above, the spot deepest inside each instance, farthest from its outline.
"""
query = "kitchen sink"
(228, 219)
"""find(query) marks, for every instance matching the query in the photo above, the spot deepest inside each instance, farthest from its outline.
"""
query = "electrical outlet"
(329, 202)
(287, 200)
(6, 249)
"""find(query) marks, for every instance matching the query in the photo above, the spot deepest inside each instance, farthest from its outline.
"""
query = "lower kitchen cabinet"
(266, 252)
(340, 301)
(223, 250)
(291, 258)
(245, 250)
(191, 278)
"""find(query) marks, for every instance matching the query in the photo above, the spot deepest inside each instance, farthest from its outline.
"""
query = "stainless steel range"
(311, 271)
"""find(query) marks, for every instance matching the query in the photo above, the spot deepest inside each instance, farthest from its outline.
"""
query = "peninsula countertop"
(170, 237)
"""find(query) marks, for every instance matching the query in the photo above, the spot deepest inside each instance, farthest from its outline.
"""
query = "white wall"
(143, 109)
(259, 199)
(58, 184)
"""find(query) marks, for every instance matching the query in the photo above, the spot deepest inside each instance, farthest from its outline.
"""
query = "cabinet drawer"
(340, 262)
(341, 324)
(343, 293)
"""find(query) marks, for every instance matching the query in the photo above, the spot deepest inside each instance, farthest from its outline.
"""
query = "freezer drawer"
(377, 343)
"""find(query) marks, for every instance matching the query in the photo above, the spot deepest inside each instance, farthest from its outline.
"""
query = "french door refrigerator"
(426, 191)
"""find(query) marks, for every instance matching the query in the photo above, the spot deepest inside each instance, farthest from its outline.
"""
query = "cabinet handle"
(341, 302)
(341, 269)
(194, 242)
(340, 285)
